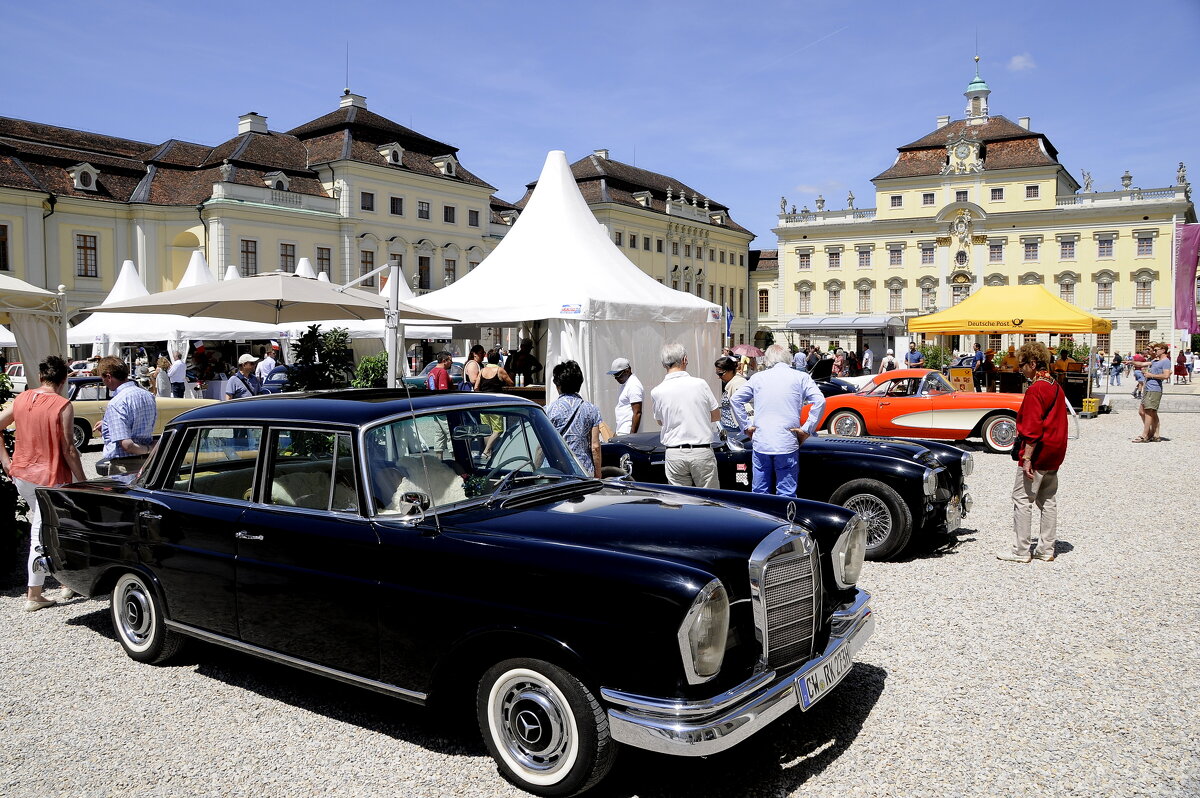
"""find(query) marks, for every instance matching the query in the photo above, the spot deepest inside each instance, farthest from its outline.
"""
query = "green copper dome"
(977, 85)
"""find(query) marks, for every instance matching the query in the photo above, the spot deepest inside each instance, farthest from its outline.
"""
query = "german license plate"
(953, 517)
(818, 681)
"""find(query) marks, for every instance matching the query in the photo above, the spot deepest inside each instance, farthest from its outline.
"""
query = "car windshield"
(936, 383)
(447, 457)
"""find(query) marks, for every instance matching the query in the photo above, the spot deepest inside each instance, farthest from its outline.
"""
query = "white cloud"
(1022, 62)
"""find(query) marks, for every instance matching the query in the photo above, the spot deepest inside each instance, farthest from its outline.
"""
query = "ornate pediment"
(963, 155)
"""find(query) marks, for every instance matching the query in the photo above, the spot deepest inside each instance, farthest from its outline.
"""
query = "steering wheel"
(518, 459)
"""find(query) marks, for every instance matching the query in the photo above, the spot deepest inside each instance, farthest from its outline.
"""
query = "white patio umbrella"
(232, 273)
(277, 298)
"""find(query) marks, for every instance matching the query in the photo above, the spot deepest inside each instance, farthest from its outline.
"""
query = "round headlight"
(930, 483)
(703, 633)
(968, 463)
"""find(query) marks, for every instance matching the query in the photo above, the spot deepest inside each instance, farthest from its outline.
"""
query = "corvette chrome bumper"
(703, 727)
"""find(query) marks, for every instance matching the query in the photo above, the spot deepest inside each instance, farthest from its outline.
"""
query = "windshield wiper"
(513, 477)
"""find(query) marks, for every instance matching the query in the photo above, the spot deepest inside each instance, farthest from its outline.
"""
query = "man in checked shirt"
(127, 428)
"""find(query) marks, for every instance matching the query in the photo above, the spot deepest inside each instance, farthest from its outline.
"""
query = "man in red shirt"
(1040, 448)
(439, 375)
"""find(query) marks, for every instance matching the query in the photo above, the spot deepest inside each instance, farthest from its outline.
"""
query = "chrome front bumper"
(703, 727)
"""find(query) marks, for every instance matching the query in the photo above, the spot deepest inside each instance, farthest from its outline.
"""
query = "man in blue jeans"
(778, 394)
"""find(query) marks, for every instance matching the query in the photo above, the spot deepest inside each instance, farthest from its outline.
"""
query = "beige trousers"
(1042, 490)
(692, 467)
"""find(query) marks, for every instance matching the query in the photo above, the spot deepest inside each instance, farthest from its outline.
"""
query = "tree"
(321, 360)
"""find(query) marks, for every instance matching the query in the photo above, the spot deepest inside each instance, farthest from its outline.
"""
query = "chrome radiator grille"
(790, 597)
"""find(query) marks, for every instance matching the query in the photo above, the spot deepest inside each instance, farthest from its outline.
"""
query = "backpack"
(891, 365)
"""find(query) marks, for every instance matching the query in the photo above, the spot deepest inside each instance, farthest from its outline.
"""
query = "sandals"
(1139, 439)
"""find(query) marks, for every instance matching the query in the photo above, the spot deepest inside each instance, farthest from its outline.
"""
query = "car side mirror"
(417, 499)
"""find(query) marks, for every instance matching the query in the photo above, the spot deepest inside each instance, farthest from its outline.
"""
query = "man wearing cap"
(629, 403)
(245, 382)
(267, 364)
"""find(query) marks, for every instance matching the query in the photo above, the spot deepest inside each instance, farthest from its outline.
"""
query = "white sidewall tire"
(124, 592)
(498, 738)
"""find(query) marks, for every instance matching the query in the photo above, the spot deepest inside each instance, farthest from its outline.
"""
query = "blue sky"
(744, 101)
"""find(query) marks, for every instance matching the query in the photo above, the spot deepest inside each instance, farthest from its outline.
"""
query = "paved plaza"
(984, 678)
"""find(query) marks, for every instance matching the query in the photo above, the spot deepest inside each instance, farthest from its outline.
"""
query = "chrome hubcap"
(532, 724)
(875, 513)
(1003, 433)
(135, 615)
(847, 425)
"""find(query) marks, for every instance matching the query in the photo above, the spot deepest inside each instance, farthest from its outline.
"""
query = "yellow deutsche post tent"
(1007, 309)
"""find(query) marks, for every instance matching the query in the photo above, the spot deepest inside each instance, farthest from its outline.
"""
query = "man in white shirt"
(629, 403)
(685, 409)
(177, 375)
(867, 360)
(267, 364)
(779, 393)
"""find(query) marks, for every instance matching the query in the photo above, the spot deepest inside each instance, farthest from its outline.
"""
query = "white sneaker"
(1047, 556)
(1010, 556)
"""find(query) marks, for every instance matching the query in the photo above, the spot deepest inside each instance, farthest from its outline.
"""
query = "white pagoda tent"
(558, 271)
(106, 331)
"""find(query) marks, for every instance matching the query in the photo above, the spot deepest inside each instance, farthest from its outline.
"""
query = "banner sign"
(961, 380)
(1187, 247)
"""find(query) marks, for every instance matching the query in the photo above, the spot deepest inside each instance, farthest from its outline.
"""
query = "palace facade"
(978, 201)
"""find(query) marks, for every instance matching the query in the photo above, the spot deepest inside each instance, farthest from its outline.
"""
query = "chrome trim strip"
(704, 727)
(304, 665)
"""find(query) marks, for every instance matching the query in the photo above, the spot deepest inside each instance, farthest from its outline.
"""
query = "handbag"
(1019, 442)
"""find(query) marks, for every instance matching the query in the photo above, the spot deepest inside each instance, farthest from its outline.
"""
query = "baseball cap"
(247, 358)
(619, 365)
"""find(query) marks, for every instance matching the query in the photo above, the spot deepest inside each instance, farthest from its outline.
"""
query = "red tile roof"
(35, 156)
(1004, 145)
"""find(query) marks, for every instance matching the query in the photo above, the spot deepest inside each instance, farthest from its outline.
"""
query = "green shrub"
(371, 372)
(935, 356)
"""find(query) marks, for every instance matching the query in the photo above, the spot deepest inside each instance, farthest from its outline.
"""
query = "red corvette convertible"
(919, 403)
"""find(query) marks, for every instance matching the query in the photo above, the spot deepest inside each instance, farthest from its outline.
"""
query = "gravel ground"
(984, 678)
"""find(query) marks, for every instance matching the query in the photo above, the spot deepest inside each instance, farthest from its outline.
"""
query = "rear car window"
(313, 470)
(217, 461)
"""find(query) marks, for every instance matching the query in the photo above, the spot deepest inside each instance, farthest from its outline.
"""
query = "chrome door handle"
(147, 515)
(244, 535)
(884, 404)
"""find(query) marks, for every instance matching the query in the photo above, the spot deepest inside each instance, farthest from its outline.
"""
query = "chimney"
(352, 100)
(943, 121)
(1023, 122)
(252, 122)
(601, 154)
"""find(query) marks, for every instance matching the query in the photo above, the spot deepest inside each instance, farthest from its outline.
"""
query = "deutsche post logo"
(1018, 322)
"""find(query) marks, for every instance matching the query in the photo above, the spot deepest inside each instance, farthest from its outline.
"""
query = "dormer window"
(393, 153)
(278, 181)
(447, 164)
(84, 176)
(642, 198)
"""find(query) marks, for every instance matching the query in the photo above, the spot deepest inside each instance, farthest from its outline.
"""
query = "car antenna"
(437, 521)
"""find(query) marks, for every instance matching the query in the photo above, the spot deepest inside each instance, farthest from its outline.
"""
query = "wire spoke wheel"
(875, 512)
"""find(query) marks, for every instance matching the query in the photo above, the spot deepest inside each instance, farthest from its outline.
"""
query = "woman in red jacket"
(1039, 450)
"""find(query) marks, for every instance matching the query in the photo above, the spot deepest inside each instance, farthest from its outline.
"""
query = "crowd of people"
(763, 401)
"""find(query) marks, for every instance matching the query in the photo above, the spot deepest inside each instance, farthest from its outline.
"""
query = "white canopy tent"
(36, 318)
(106, 331)
(559, 265)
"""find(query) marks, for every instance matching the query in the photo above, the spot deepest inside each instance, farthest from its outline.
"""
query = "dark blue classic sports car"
(575, 613)
(899, 487)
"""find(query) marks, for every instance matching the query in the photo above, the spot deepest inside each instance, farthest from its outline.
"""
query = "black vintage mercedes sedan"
(901, 488)
(578, 615)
